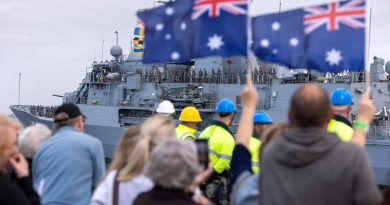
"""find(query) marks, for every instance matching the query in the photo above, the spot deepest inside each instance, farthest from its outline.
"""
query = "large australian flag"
(328, 38)
(187, 29)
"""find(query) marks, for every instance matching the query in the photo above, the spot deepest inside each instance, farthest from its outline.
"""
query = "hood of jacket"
(301, 146)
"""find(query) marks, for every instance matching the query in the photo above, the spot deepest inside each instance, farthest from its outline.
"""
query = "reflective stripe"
(255, 164)
(183, 135)
(223, 156)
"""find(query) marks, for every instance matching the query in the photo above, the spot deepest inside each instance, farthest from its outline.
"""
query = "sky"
(52, 42)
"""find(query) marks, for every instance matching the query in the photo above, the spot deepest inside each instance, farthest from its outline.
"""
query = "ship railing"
(379, 133)
(42, 111)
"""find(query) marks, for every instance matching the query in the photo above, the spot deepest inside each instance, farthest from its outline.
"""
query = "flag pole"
(367, 63)
(249, 39)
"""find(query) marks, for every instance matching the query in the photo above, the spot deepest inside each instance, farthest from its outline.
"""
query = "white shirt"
(128, 190)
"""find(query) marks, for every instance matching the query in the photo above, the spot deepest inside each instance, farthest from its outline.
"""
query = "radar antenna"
(116, 33)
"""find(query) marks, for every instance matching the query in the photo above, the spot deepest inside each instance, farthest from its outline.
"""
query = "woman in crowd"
(125, 180)
(21, 192)
(172, 168)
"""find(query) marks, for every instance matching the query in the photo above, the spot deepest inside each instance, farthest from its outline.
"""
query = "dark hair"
(310, 106)
(224, 114)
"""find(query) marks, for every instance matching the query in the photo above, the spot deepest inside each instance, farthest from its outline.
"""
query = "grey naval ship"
(124, 91)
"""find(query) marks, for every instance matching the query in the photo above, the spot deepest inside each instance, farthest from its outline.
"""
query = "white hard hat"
(165, 107)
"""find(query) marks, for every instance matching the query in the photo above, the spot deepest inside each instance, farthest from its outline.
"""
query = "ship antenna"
(116, 33)
(280, 6)
(102, 49)
(20, 77)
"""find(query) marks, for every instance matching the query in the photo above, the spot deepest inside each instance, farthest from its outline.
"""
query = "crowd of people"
(203, 75)
(317, 157)
(43, 111)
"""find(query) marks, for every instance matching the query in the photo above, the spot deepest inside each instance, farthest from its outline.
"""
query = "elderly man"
(67, 166)
(308, 165)
(22, 191)
(341, 100)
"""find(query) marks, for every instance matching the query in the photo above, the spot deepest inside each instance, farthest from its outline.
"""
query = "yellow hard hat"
(190, 114)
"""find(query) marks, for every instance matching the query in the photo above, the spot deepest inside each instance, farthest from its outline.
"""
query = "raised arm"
(365, 114)
(249, 99)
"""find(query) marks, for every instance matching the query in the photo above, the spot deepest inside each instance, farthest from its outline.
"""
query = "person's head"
(173, 164)
(125, 146)
(31, 137)
(190, 117)
(341, 100)
(154, 130)
(8, 139)
(165, 108)
(310, 107)
(261, 121)
(69, 115)
(225, 110)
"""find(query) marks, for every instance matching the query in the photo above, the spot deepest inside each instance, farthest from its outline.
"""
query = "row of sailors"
(229, 76)
(42, 111)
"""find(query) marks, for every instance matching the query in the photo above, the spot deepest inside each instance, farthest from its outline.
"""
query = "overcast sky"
(51, 42)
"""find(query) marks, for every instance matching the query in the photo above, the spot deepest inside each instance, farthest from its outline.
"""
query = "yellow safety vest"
(254, 149)
(221, 145)
(342, 130)
(185, 133)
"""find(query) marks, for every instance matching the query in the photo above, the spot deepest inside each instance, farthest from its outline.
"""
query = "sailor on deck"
(189, 120)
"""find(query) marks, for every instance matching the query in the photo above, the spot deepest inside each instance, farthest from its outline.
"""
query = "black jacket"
(161, 196)
(311, 166)
(20, 192)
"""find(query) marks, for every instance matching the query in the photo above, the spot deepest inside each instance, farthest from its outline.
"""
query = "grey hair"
(31, 137)
(173, 164)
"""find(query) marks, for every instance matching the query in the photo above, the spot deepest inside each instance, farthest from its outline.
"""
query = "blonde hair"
(153, 131)
(5, 124)
(125, 147)
(31, 137)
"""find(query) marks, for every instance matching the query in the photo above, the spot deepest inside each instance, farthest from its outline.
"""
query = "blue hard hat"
(341, 96)
(225, 105)
(262, 117)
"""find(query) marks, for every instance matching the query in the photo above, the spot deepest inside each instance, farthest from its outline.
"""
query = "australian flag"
(328, 38)
(187, 29)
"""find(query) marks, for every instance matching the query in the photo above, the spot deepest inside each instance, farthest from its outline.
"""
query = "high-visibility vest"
(184, 132)
(342, 130)
(221, 144)
(254, 149)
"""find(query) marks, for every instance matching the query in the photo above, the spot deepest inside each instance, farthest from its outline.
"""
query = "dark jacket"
(161, 196)
(311, 166)
(19, 193)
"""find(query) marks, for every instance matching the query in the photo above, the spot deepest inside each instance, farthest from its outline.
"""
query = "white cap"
(165, 107)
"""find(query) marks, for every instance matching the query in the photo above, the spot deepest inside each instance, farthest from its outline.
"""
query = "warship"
(123, 91)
